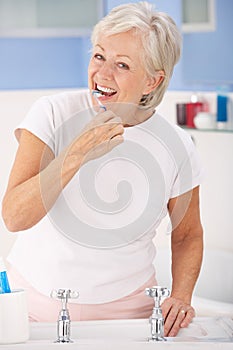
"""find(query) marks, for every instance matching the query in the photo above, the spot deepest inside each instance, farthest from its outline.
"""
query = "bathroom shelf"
(222, 131)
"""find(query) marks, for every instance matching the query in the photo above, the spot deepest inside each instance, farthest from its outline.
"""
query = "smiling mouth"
(104, 91)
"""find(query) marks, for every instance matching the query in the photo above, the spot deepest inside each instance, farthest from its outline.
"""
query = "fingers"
(115, 141)
(103, 148)
(100, 136)
(189, 315)
(115, 130)
(106, 126)
(103, 118)
(177, 314)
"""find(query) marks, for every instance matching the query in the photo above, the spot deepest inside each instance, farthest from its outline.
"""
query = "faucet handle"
(157, 293)
(64, 295)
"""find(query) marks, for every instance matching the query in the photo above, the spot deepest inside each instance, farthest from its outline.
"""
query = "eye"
(123, 65)
(98, 57)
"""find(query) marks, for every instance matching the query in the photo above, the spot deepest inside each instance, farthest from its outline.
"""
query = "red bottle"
(192, 108)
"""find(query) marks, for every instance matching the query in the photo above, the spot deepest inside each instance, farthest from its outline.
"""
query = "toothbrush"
(97, 94)
(4, 283)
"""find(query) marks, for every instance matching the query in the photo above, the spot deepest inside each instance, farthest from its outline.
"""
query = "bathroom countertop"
(203, 333)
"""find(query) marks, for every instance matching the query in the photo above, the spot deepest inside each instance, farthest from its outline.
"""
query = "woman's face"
(116, 70)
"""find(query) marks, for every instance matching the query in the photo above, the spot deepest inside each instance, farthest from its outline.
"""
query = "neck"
(138, 117)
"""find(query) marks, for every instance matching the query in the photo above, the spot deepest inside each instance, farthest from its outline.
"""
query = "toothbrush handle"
(103, 107)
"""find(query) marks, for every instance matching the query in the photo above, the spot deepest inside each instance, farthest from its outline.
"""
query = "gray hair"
(159, 35)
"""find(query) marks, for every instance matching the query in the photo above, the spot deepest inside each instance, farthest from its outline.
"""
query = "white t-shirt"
(97, 238)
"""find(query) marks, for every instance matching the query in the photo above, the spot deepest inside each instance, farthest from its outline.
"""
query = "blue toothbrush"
(97, 94)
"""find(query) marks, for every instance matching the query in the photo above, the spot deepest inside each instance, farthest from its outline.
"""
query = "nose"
(105, 72)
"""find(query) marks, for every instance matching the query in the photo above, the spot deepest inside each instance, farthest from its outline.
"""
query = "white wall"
(216, 150)
(13, 107)
(213, 293)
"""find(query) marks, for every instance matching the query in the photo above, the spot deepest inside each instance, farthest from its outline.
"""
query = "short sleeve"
(39, 121)
(190, 171)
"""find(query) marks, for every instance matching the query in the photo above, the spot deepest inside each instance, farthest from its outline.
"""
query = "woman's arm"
(187, 251)
(37, 177)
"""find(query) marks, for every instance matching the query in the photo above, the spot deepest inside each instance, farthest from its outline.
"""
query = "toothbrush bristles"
(97, 94)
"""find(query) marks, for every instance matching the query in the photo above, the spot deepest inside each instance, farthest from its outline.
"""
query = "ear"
(153, 82)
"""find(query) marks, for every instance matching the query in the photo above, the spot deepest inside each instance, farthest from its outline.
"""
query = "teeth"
(104, 89)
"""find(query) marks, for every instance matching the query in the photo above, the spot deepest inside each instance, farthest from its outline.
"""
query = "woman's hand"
(177, 314)
(99, 137)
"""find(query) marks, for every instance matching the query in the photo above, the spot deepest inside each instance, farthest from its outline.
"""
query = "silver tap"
(63, 323)
(156, 319)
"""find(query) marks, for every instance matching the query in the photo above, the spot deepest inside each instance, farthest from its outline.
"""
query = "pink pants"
(45, 309)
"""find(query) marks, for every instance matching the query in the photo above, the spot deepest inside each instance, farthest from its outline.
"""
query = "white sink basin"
(131, 334)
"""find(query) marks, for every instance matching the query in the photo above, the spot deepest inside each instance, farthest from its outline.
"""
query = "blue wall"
(39, 63)
(42, 63)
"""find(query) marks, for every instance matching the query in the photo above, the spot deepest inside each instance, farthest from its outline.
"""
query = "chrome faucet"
(156, 319)
(63, 323)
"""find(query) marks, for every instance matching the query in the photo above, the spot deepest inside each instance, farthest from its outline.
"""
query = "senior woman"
(80, 231)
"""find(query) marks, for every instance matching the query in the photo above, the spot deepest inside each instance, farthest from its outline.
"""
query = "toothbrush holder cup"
(14, 317)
